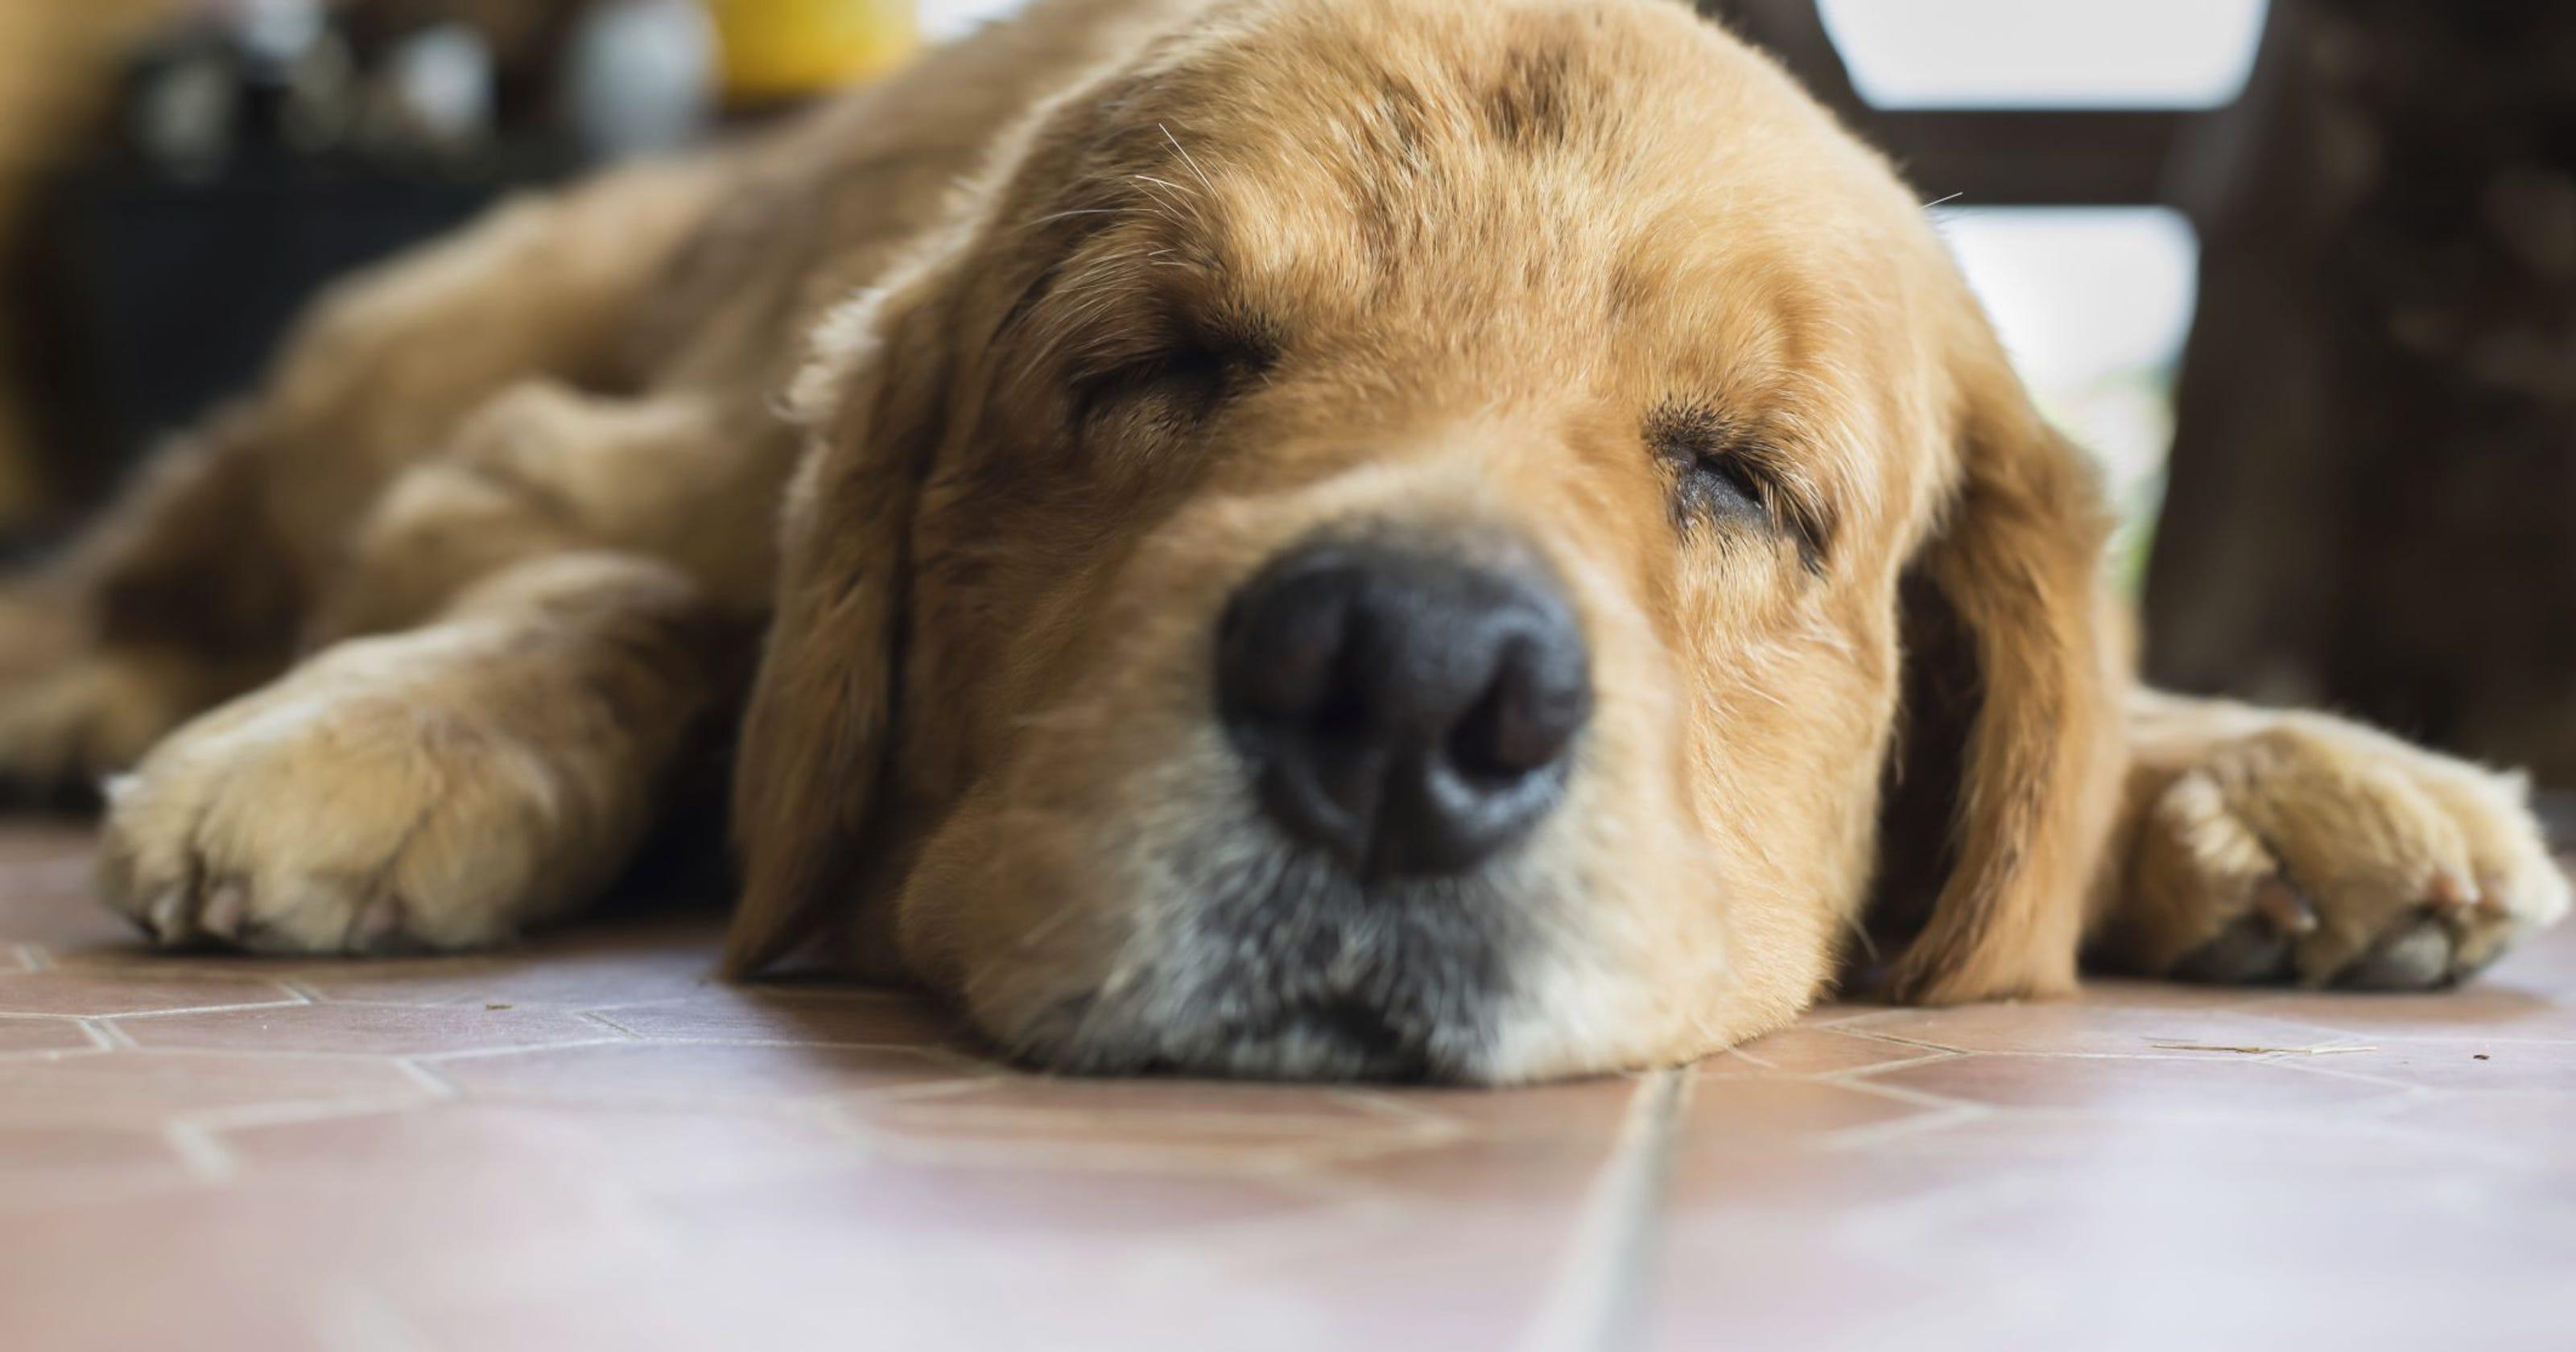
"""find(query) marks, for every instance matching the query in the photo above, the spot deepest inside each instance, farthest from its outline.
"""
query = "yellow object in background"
(789, 49)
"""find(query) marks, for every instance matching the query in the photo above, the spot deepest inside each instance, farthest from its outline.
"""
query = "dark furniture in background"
(251, 155)
(1988, 157)
(161, 296)
(2372, 491)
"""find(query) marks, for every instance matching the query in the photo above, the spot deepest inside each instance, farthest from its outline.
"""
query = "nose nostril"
(1280, 657)
(1526, 720)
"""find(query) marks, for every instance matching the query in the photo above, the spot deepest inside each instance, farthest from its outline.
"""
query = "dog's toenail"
(2247, 952)
(378, 927)
(2412, 958)
(225, 911)
(2283, 906)
(167, 915)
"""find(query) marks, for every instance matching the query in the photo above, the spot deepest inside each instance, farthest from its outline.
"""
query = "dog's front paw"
(2315, 850)
(354, 807)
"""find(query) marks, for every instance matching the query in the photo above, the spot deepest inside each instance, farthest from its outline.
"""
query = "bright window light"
(2093, 304)
(2079, 293)
(2046, 53)
(945, 19)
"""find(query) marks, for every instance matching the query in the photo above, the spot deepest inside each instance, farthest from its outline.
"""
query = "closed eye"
(1713, 486)
(1724, 475)
(1182, 379)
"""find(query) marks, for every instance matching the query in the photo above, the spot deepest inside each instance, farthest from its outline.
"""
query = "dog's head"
(1385, 540)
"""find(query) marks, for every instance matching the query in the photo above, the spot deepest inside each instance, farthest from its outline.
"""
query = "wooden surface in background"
(2375, 438)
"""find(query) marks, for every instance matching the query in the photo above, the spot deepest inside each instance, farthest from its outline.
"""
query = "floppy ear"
(2007, 594)
(816, 744)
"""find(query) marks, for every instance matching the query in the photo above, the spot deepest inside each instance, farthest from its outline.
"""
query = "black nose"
(1404, 709)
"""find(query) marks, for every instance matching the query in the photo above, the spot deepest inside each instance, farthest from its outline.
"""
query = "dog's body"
(1333, 536)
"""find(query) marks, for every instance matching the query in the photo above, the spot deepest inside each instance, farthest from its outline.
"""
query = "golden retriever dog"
(1469, 539)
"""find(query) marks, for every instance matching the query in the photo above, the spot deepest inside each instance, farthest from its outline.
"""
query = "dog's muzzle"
(1406, 712)
(1403, 711)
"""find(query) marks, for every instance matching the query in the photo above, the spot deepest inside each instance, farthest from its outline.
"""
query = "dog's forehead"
(1580, 209)
(1639, 95)
(1607, 157)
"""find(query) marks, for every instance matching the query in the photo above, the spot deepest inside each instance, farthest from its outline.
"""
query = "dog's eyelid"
(1708, 438)
(1195, 363)
(1212, 353)
(1793, 498)
(1240, 336)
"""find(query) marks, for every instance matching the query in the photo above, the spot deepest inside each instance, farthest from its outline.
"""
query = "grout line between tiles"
(542, 1005)
(439, 1086)
(1599, 1299)
(1937, 1116)
(520, 1049)
(359, 1320)
(2149, 1053)
(602, 1019)
(198, 1135)
(206, 1159)
(1926, 1056)
(199, 1009)
(329, 1055)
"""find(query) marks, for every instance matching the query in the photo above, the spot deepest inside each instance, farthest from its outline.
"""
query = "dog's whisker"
(1157, 182)
(1186, 159)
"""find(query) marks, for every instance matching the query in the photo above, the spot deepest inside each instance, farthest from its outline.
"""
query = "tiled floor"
(589, 1145)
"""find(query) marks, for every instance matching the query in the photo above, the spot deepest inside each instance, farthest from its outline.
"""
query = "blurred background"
(2302, 273)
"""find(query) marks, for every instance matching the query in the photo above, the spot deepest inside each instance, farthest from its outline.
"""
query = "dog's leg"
(182, 596)
(441, 787)
(557, 600)
(2261, 845)
(545, 468)
(198, 583)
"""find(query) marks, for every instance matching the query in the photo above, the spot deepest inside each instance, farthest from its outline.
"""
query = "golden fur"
(507, 517)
